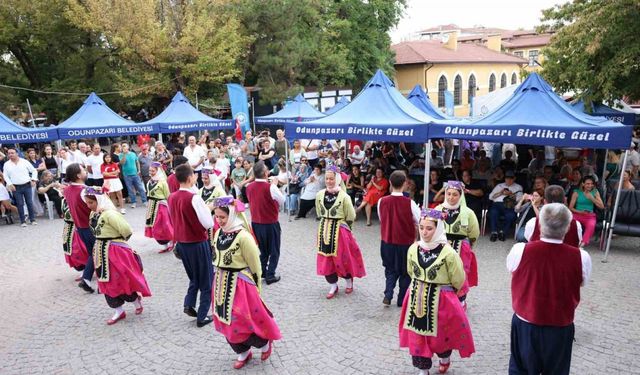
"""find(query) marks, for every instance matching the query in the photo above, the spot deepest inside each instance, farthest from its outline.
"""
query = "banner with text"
(390, 133)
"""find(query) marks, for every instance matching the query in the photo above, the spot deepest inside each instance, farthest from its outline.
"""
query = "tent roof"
(298, 110)
(534, 114)
(379, 112)
(602, 110)
(420, 99)
(339, 105)
(95, 119)
(10, 132)
(180, 115)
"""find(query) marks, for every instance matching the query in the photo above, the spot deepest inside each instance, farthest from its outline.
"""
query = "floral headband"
(333, 168)
(156, 164)
(432, 214)
(455, 185)
(228, 201)
(207, 172)
(90, 190)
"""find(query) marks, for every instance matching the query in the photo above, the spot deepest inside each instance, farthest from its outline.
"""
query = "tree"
(596, 50)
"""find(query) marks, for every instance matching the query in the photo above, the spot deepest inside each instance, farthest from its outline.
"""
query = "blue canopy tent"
(339, 105)
(180, 115)
(421, 100)
(10, 132)
(298, 110)
(94, 119)
(601, 110)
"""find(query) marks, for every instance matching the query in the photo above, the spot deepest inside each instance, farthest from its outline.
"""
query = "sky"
(506, 14)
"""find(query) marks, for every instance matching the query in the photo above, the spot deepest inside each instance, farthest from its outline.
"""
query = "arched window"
(514, 78)
(457, 90)
(442, 87)
(503, 80)
(492, 82)
(472, 88)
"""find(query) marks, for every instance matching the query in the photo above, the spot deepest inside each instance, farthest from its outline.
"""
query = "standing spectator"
(357, 156)
(111, 174)
(196, 156)
(504, 197)
(32, 158)
(145, 160)
(163, 156)
(75, 154)
(266, 154)
(549, 155)
(281, 145)
(94, 164)
(634, 160)
(248, 147)
(49, 186)
(131, 173)
(545, 292)
(65, 161)
(312, 185)
(583, 203)
(50, 161)
(20, 177)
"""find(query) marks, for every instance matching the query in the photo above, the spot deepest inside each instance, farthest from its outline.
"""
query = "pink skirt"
(454, 332)
(348, 260)
(79, 254)
(162, 230)
(125, 273)
(470, 265)
(249, 315)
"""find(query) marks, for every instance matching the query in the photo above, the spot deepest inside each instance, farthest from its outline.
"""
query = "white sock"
(334, 287)
(243, 356)
(265, 348)
(423, 372)
(88, 282)
(117, 313)
(138, 303)
(349, 283)
(165, 246)
(445, 361)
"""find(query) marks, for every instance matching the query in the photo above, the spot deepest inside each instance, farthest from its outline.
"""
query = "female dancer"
(432, 319)
(211, 189)
(239, 313)
(158, 223)
(75, 251)
(338, 251)
(462, 229)
(118, 267)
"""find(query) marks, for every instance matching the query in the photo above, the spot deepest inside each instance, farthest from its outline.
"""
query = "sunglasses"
(303, 161)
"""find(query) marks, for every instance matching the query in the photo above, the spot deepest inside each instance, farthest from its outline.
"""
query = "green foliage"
(596, 49)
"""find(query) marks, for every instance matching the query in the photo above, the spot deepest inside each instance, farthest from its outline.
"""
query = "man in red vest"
(172, 181)
(191, 218)
(264, 204)
(399, 216)
(545, 292)
(554, 194)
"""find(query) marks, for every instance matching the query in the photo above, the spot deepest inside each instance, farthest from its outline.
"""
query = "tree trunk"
(25, 63)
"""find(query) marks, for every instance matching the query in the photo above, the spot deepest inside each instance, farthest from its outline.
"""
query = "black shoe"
(386, 301)
(493, 237)
(501, 236)
(202, 323)
(190, 311)
(272, 280)
(82, 284)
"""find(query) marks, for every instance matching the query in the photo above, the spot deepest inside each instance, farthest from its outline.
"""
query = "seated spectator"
(357, 156)
(473, 193)
(504, 197)
(527, 208)
(454, 173)
(377, 188)
(5, 199)
(48, 185)
(536, 166)
(467, 163)
(574, 182)
(435, 187)
(312, 185)
(436, 161)
(496, 178)
(587, 169)
(508, 164)
(295, 187)
(626, 185)
(583, 203)
(483, 160)
(355, 184)
(550, 176)
(483, 172)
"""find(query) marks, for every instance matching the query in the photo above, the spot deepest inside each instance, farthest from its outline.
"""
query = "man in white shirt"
(357, 156)
(94, 163)
(196, 156)
(634, 160)
(507, 190)
(77, 153)
(20, 177)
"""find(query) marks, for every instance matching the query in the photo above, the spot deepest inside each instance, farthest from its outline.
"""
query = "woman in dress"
(462, 230)
(376, 189)
(338, 252)
(158, 223)
(111, 172)
(75, 251)
(239, 313)
(432, 319)
(118, 267)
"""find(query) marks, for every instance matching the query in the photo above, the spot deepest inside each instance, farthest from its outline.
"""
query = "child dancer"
(158, 223)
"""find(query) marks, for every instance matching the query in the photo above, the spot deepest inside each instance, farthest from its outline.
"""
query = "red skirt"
(470, 265)
(125, 273)
(373, 196)
(249, 315)
(348, 260)
(454, 332)
(162, 230)
(79, 254)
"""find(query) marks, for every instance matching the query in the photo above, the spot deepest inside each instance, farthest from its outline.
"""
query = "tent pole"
(253, 116)
(427, 173)
(604, 170)
(615, 207)
(160, 137)
(31, 114)
(286, 157)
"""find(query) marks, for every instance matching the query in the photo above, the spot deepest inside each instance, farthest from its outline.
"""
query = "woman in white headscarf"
(211, 189)
(118, 267)
(432, 319)
(239, 313)
(158, 223)
(338, 252)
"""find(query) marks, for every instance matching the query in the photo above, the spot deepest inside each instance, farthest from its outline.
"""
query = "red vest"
(264, 210)
(173, 183)
(79, 210)
(545, 288)
(396, 220)
(186, 226)
(571, 238)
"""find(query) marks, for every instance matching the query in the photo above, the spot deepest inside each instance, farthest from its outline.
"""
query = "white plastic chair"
(48, 206)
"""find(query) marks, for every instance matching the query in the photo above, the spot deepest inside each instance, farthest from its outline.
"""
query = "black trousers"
(118, 301)
(305, 206)
(394, 261)
(196, 259)
(540, 349)
(253, 340)
(268, 237)
(333, 278)
(424, 363)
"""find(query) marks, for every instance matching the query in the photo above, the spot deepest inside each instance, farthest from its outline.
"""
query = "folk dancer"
(239, 312)
(75, 251)
(158, 222)
(432, 319)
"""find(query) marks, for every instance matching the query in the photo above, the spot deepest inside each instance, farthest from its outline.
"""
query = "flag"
(238, 131)
(239, 106)
(448, 102)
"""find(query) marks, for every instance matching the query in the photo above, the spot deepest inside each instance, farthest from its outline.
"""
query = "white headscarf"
(214, 181)
(439, 236)
(338, 184)
(459, 186)
(236, 220)
(160, 175)
(104, 203)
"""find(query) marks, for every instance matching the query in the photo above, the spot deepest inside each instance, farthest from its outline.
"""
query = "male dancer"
(191, 218)
(264, 201)
(399, 216)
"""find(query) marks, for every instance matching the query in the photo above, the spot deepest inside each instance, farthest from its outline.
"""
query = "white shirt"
(276, 194)
(202, 211)
(530, 226)
(223, 165)
(64, 163)
(356, 159)
(194, 155)
(311, 189)
(77, 157)
(4, 193)
(514, 188)
(634, 158)
(19, 173)
(415, 210)
(515, 256)
(95, 162)
(311, 154)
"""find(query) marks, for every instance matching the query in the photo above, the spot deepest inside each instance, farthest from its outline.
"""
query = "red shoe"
(444, 367)
(332, 294)
(78, 278)
(240, 364)
(141, 308)
(169, 248)
(116, 320)
(349, 290)
(265, 355)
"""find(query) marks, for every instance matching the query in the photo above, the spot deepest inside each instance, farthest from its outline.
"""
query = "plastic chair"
(48, 207)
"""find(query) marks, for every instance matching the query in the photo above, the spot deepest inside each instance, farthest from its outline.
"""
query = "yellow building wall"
(407, 76)
(525, 55)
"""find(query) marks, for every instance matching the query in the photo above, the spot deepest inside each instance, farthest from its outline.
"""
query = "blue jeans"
(496, 210)
(292, 202)
(24, 194)
(135, 182)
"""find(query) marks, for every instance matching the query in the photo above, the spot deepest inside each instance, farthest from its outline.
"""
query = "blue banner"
(448, 102)
(239, 105)
(389, 133)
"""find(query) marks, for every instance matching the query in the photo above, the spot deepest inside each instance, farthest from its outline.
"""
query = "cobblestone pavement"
(48, 325)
